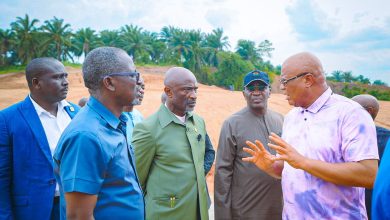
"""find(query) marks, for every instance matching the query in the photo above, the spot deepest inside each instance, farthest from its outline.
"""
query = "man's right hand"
(263, 159)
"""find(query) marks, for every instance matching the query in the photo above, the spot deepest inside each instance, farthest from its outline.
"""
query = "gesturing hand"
(260, 156)
(286, 152)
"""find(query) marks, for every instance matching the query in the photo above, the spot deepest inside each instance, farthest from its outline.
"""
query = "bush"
(352, 90)
(231, 70)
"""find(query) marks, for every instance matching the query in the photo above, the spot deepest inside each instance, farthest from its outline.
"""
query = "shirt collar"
(317, 105)
(166, 116)
(41, 110)
(106, 114)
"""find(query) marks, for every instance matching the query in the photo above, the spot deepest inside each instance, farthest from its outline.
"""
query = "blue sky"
(346, 35)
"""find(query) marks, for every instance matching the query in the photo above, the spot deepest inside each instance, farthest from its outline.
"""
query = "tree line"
(348, 77)
(208, 55)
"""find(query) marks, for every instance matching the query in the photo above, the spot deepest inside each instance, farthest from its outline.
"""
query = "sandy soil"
(214, 104)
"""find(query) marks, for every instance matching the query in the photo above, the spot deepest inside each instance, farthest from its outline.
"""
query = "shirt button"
(305, 119)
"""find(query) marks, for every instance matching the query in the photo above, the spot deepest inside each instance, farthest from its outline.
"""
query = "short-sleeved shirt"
(134, 117)
(93, 157)
(334, 129)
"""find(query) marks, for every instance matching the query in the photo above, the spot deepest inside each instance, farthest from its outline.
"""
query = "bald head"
(302, 79)
(41, 66)
(181, 90)
(368, 102)
(178, 75)
(304, 62)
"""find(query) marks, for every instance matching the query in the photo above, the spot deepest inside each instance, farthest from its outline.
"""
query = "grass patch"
(66, 63)
(12, 69)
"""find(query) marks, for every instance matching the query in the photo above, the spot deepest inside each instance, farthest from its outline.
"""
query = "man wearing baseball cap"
(242, 191)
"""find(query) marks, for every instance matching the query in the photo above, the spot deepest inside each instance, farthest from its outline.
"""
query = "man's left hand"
(286, 152)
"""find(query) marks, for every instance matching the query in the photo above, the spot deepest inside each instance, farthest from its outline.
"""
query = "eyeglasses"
(252, 88)
(285, 81)
(130, 74)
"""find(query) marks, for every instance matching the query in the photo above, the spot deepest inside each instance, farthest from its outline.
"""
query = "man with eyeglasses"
(133, 115)
(94, 163)
(29, 132)
(327, 154)
(170, 149)
(235, 181)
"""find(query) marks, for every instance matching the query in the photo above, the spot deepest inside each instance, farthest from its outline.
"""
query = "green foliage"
(379, 83)
(76, 65)
(352, 90)
(232, 69)
(203, 53)
(12, 69)
(347, 77)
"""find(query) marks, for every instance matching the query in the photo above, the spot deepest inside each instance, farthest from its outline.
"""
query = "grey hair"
(101, 62)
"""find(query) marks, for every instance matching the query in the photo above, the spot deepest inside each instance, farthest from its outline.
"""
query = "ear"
(35, 83)
(109, 84)
(309, 80)
(370, 110)
(168, 92)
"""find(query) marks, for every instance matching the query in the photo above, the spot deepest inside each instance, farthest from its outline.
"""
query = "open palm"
(260, 156)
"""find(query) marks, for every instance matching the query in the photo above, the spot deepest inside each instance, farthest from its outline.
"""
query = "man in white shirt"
(29, 132)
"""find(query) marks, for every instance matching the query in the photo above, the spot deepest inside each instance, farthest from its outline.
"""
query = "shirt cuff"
(81, 185)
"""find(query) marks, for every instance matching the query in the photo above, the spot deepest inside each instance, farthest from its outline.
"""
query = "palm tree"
(26, 41)
(58, 34)
(195, 53)
(265, 48)
(179, 45)
(247, 50)
(215, 42)
(6, 43)
(133, 41)
(363, 79)
(157, 46)
(167, 33)
(85, 40)
(110, 38)
(348, 77)
(337, 75)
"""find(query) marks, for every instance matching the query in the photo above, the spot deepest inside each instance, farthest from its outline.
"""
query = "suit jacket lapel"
(30, 115)
(192, 135)
(71, 110)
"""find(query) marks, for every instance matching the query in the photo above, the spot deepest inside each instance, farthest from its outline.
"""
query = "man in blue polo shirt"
(94, 164)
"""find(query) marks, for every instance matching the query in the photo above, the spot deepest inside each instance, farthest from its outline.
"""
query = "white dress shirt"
(53, 125)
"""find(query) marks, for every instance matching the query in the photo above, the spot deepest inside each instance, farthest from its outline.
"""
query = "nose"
(65, 81)
(193, 94)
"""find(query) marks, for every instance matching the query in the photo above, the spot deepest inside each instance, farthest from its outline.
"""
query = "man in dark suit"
(29, 132)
